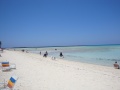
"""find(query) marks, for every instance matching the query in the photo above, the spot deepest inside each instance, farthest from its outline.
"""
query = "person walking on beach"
(40, 53)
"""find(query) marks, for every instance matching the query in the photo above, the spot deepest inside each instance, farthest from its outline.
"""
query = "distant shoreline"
(66, 46)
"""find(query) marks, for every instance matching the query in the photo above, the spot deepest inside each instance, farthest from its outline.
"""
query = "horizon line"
(63, 46)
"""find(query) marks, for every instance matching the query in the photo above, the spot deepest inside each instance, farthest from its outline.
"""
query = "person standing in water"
(61, 55)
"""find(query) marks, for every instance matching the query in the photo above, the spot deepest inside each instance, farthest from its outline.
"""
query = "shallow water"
(104, 55)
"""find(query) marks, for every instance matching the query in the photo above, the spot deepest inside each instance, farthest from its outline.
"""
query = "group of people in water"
(46, 54)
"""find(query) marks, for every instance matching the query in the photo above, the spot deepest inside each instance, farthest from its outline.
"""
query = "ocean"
(104, 55)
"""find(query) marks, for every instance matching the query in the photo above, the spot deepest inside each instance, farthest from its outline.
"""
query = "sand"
(36, 72)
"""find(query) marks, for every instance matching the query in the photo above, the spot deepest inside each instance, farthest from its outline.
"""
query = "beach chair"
(10, 85)
(6, 66)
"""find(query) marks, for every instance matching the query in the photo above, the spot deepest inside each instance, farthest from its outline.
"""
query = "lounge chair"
(10, 84)
(6, 66)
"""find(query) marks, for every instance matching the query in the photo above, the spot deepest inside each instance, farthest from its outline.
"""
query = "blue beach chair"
(6, 66)
(10, 85)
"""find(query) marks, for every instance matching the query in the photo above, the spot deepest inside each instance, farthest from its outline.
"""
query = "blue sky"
(59, 22)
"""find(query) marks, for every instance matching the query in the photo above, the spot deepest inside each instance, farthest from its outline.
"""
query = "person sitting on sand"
(45, 55)
(116, 66)
(23, 50)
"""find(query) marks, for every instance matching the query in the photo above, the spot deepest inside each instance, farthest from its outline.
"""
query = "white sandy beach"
(38, 73)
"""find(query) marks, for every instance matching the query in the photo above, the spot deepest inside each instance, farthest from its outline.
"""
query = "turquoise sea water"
(104, 55)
